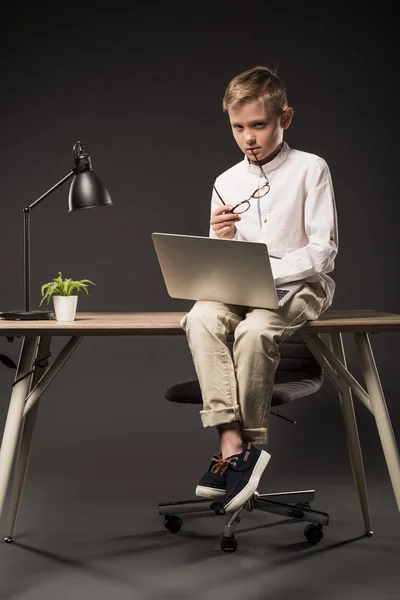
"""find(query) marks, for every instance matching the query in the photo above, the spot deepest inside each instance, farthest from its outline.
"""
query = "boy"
(282, 197)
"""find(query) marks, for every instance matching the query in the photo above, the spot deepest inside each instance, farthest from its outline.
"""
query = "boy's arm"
(320, 221)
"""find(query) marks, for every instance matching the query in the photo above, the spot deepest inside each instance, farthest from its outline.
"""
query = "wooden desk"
(34, 375)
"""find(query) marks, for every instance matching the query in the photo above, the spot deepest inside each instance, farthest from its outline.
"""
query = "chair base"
(296, 506)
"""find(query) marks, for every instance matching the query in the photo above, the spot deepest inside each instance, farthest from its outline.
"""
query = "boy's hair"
(257, 83)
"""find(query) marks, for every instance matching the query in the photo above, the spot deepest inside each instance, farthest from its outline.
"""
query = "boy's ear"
(287, 117)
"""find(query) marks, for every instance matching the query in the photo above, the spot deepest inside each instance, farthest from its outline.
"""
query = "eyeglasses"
(260, 192)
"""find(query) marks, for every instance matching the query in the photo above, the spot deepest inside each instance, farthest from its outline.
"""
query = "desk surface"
(167, 323)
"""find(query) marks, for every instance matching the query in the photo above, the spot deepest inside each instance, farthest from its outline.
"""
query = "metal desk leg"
(15, 411)
(380, 411)
(353, 441)
(22, 462)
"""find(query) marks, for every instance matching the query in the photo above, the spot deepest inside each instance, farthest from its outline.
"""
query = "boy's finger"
(224, 218)
(223, 209)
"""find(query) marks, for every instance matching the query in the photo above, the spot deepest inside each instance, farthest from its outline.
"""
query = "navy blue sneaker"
(243, 475)
(213, 483)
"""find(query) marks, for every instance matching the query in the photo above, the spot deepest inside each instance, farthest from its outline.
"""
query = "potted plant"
(63, 299)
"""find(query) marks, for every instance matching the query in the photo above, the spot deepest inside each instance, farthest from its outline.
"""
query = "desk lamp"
(87, 191)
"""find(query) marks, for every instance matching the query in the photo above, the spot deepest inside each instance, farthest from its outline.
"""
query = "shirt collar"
(272, 165)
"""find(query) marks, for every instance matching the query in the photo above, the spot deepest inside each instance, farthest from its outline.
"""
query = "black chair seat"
(298, 374)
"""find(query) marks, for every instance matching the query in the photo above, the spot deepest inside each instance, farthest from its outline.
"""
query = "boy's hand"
(223, 222)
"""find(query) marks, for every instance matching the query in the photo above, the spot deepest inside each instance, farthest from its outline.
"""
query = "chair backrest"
(297, 361)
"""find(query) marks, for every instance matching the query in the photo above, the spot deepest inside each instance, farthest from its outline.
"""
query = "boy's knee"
(203, 315)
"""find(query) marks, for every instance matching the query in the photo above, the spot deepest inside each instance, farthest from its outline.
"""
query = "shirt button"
(265, 220)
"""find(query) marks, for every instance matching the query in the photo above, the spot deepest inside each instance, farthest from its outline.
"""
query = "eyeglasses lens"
(241, 208)
(262, 191)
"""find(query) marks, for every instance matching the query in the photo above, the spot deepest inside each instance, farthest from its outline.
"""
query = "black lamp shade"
(87, 191)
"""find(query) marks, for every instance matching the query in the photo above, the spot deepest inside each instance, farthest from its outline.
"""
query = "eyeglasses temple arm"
(217, 192)
(259, 164)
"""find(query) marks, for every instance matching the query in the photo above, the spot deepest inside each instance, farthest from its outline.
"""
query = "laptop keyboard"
(280, 293)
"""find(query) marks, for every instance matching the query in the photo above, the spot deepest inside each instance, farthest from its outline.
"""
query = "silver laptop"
(229, 271)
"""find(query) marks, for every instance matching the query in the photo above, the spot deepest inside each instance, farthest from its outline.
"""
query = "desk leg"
(22, 462)
(380, 411)
(353, 441)
(15, 411)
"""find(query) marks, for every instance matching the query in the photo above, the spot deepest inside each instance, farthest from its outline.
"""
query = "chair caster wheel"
(229, 544)
(9, 540)
(314, 534)
(173, 523)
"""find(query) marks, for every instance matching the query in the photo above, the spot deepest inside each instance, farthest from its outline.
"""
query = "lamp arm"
(50, 191)
(27, 238)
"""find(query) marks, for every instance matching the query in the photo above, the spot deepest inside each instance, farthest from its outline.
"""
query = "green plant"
(63, 287)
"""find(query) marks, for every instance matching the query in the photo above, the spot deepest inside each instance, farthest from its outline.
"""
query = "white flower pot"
(65, 307)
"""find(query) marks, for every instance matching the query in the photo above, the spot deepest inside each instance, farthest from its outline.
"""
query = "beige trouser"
(239, 387)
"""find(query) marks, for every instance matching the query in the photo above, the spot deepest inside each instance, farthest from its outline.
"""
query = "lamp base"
(30, 315)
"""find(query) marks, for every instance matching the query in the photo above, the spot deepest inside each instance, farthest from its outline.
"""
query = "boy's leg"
(207, 326)
(256, 354)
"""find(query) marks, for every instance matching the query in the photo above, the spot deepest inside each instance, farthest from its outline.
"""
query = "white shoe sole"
(252, 484)
(209, 493)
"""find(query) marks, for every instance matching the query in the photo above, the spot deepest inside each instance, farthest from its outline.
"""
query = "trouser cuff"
(220, 416)
(255, 436)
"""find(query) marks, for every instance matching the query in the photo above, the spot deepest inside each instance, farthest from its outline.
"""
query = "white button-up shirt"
(297, 219)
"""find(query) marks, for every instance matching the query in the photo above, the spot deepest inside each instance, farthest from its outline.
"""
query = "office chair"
(298, 375)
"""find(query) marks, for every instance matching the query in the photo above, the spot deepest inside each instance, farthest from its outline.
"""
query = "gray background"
(142, 87)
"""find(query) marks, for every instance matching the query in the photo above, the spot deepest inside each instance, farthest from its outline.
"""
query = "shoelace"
(221, 464)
